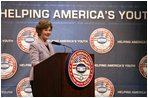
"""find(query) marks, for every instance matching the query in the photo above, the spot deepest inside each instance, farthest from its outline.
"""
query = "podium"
(51, 79)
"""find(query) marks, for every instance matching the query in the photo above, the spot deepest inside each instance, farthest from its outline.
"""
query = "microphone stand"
(57, 43)
(67, 47)
(64, 48)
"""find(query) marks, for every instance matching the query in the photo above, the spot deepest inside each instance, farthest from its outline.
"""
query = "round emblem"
(101, 40)
(143, 66)
(8, 66)
(80, 68)
(25, 37)
(103, 87)
(24, 88)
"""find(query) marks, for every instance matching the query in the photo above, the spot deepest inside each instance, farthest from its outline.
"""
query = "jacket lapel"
(43, 46)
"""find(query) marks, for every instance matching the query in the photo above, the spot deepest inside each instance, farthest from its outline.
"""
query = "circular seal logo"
(25, 37)
(143, 66)
(101, 40)
(8, 66)
(24, 88)
(80, 68)
(103, 87)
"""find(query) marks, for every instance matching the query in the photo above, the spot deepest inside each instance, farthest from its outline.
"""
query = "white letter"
(87, 15)
(35, 13)
(128, 13)
(16, 14)
(75, 14)
(45, 13)
(145, 13)
(11, 13)
(30, 11)
(111, 15)
(65, 15)
(4, 13)
(100, 15)
(24, 12)
(56, 14)
(121, 14)
(81, 14)
(91, 15)
(138, 18)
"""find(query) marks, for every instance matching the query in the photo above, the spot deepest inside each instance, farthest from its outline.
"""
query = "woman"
(40, 49)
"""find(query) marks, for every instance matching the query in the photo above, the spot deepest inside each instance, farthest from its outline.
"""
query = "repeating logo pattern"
(103, 87)
(143, 66)
(24, 88)
(8, 66)
(101, 40)
(25, 37)
(80, 68)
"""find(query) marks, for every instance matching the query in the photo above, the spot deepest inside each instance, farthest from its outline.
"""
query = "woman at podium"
(40, 49)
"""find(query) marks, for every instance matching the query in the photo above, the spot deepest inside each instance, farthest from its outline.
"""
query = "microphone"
(58, 43)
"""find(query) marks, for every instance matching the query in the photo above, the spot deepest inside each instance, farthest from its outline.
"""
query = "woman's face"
(45, 33)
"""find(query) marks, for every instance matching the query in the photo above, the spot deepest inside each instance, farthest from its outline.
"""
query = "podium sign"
(80, 68)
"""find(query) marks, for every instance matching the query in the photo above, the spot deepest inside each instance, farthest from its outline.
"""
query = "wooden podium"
(51, 79)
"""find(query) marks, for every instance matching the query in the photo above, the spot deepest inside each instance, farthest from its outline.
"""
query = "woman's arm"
(34, 55)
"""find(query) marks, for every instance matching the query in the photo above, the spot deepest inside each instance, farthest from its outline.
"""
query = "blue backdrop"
(120, 65)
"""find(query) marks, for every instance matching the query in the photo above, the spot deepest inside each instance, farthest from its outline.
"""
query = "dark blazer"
(39, 52)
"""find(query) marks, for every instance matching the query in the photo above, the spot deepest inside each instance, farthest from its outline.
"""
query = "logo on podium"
(80, 68)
